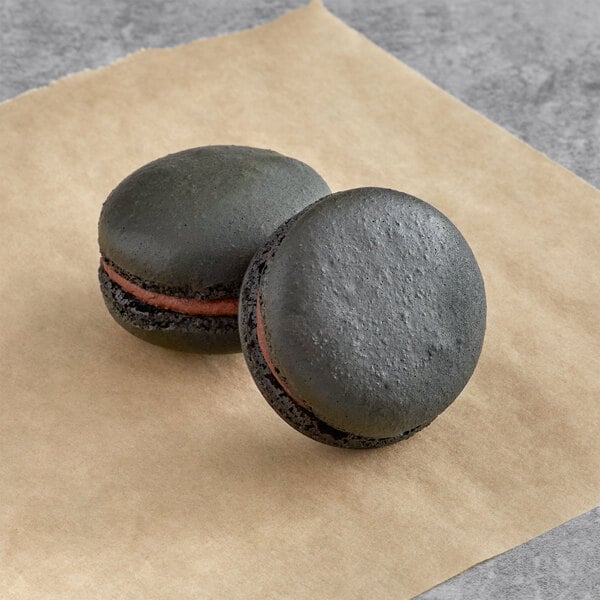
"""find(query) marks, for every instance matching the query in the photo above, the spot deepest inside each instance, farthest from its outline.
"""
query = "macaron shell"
(304, 421)
(194, 219)
(374, 311)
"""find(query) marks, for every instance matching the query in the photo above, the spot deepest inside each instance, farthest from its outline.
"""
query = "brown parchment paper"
(130, 471)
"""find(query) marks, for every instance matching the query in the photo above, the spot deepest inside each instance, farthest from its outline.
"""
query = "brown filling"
(264, 348)
(187, 306)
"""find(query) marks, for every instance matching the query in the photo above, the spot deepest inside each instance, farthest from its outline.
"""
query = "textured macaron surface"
(192, 220)
(374, 311)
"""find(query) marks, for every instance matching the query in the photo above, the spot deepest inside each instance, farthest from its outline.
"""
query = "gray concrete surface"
(533, 66)
(561, 564)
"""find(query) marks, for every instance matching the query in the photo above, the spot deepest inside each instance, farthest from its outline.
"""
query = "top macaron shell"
(374, 311)
(192, 220)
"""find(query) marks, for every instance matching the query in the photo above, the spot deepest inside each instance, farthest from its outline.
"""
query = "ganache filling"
(187, 306)
(264, 349)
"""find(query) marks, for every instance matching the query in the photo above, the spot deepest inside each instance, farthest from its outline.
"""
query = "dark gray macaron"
(363, 317)
(177, 235)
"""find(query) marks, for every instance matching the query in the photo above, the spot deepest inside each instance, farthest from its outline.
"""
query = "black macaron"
(177, 235)
(363, 317)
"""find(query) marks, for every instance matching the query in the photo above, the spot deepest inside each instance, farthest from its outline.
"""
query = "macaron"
(177, 234)
(363, 317)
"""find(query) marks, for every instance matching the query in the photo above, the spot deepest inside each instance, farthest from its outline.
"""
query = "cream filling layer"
(223, 307)
(264, 349)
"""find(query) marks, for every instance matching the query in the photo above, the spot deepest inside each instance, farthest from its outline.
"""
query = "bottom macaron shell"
(217, 335)
(295, 415)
